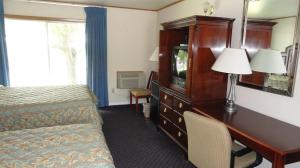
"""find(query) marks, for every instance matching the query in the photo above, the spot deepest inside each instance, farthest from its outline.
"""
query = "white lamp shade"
(154, 56)
(268, 61)
(232, 61)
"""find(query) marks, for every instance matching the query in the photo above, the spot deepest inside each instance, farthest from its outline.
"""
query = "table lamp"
(268, 61)
(234, 62)
(154, 56)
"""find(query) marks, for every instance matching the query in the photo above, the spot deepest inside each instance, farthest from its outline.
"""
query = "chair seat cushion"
(140, 92)
(243, 161)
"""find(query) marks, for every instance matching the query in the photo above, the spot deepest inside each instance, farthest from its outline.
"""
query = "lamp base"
(230, 106)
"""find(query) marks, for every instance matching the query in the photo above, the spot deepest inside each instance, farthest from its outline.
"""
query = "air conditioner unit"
(131, 79)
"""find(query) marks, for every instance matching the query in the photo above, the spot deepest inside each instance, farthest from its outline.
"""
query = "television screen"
(179, 65)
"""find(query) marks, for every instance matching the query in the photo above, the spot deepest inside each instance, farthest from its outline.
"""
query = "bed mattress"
(34, 107)
(77, 145)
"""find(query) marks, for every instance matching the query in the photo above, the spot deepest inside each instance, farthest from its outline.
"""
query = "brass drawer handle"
(165, 97)
(179, 119)
(165, 122)
(165, 110)
(179, 134)
(180, 105)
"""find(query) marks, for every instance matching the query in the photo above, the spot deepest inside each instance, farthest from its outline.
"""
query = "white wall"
(283, 33)
(280, 107)
(132, 37)
(37, 9)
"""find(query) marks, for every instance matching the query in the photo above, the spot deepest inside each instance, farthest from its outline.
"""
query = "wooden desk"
(277, 141)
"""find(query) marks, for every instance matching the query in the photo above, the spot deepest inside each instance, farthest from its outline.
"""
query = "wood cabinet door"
(209, 41)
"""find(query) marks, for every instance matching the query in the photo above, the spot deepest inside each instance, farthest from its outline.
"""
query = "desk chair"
(210, 145)
(142, 93)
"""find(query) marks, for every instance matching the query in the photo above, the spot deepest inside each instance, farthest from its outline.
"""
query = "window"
(45, 53)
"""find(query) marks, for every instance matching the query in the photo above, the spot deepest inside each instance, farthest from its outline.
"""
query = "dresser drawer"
(173, 116)
(181, 106)
(167, 125)
(176, 133)
(166, 98)
(181, 137)
(165, 110)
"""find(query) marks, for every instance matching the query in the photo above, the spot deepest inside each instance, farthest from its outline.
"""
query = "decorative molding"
(80, 4)
(174, 3)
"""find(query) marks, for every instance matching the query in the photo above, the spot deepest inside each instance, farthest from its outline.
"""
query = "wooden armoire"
(205, 38)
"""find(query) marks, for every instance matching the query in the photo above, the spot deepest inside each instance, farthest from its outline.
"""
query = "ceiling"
(271, 9)
(131, 4)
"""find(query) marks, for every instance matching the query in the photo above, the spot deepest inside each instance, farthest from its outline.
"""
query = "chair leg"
(147, 99)
(137, 104)
(130, 100)
(257, 162)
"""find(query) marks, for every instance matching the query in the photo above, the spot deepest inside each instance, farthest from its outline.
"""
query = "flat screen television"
(179, 65)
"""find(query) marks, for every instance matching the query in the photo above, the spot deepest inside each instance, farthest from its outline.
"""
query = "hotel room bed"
(76, 145)
(51, 127)
(34, 107)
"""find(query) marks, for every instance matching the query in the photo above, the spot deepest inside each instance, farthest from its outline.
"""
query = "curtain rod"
(78, 4)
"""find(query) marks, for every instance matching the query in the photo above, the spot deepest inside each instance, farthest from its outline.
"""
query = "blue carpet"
(134, 141)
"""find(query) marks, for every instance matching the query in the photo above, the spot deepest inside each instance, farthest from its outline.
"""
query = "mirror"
(270, 26)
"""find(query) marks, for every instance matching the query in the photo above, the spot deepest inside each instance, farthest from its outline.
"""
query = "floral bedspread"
(77, 145)
(34, 107)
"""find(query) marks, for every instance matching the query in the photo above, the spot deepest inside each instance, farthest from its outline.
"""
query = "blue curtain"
(4, 74)
(96, 51)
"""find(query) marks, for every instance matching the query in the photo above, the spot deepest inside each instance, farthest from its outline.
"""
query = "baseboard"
(127, 102)
(120, 105)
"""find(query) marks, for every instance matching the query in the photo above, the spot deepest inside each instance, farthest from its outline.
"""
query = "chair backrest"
(209, 141)
(153, 75)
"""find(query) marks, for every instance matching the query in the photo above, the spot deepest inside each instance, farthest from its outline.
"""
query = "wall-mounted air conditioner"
(131, 79)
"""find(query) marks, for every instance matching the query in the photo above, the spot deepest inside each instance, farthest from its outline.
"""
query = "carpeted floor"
(135, 143)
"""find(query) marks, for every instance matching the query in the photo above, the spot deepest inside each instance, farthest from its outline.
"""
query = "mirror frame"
(296, 41)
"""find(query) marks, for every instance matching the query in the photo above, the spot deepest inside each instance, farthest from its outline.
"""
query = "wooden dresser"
(205, 38)
(172, 106)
